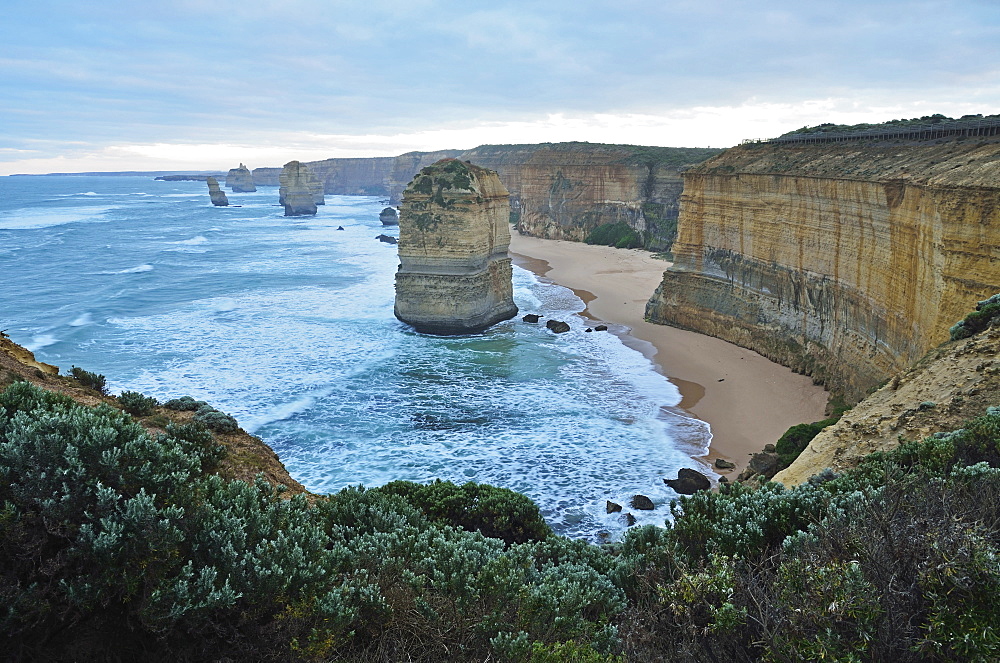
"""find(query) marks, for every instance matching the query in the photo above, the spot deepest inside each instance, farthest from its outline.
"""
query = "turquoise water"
(287, 324)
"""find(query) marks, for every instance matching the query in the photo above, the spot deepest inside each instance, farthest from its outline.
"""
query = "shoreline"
(747, 400)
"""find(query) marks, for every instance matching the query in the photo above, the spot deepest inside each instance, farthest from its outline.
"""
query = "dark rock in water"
(630, 519)
(340, 227)
(389, 217)
(216, 194)
(299, 190)
(387, 239)
(723, 480)
(601, 328)
(613, 508)
(688, 482)
(588, 329)
(531, 317)
(240, 180)
(723, 464)
(557, 326)
(642, 503)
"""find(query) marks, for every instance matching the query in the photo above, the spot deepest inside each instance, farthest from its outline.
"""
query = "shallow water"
(287, 324)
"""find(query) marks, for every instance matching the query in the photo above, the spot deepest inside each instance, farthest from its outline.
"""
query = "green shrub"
(794, 441)
(977, 321)
(90, 380)
(619, 235)
(215, 420)
(496, 512)
(137, 404)
(184, 404)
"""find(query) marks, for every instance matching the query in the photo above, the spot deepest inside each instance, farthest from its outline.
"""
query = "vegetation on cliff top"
(116, 543)
(937, 118)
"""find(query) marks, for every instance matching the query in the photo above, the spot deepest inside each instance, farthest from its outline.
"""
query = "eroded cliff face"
(844, 261)
(300, 192)
(454, 275)
(558, 191)
(240, 180)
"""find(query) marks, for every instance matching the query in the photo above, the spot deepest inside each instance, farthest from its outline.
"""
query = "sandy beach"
(747, 400)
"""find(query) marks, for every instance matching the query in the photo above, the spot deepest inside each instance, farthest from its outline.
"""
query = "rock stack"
(300, 192)
(215, 193)
(454, 275)
(240, 180)
(389, 217)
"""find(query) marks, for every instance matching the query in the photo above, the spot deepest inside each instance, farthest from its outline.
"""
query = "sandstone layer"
(845, 261)
(299, 190)
(558, 190)
(240, 180)
(454, 275)
(217, 195)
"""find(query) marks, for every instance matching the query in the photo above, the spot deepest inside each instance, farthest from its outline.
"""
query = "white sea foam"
(35, 218)
(194, 241)
(82, 320)
(40, 341)
(138, 269)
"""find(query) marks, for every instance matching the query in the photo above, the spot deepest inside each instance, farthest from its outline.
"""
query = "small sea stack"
(389, 217)
(454, 275)
(240, 180)
(298, 190)
(217, 195)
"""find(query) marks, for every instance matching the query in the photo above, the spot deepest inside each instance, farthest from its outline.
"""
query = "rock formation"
(845, 261)
(298, 190)
(558, 191)
(240, 180)
(454, 275)
(217, 195)
(389, 217)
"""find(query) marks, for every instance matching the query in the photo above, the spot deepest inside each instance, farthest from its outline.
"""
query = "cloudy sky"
(179, 84)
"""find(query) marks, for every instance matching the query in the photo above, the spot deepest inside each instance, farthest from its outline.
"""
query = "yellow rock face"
(844, 261)
(454, 275)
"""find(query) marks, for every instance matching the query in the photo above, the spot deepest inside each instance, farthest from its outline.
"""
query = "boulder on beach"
(688, 482)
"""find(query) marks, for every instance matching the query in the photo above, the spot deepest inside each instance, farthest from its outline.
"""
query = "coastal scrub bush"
(137, 404)
(620, 235)
(184, 404)
(794, 441)
(978, 320)
(216, 420)
(90, 380)
(495, 512)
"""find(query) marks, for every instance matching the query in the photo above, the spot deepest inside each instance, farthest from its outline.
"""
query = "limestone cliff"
(558, 190)
(217, 195)
(240, 180)
(845, 261)
(454, 275)
(299, 190)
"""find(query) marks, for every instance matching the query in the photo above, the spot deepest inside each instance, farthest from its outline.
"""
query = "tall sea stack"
(454, 275)
(215, 193)
(240, 180)
(298, 190)
(389, 217)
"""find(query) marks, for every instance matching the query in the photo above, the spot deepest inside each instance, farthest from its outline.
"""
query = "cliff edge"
(845, 261)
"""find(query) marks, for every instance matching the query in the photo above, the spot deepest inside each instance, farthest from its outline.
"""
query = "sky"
(185, 85)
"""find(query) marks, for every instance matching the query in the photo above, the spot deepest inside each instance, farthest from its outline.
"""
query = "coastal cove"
(748, 400)
(287, 325)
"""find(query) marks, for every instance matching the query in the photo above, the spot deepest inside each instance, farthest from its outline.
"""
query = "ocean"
(287, 324)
